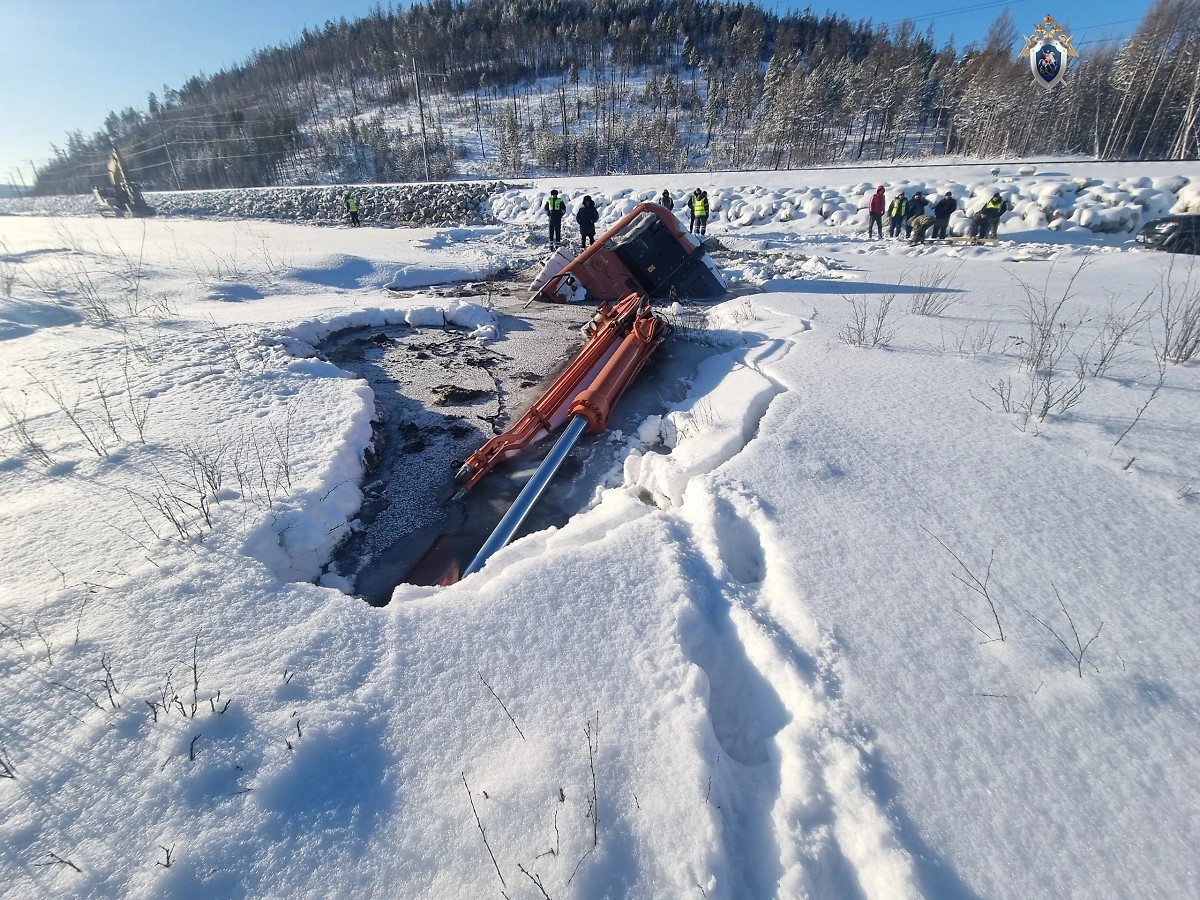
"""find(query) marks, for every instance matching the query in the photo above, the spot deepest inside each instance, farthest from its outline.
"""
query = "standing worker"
(665, 200)
(698, 206)
(992, 211)
(916, 207)
(555, 209)
(941, 216)
(875, 211)
(897, 213)
(352, 208)
(587, 217)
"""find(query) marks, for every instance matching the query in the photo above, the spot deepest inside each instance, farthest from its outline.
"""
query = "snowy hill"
(898, 601)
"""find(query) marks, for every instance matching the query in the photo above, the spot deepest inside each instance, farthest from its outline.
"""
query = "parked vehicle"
(1175, 234)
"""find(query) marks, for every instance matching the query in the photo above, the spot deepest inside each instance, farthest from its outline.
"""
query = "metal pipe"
(529, 495)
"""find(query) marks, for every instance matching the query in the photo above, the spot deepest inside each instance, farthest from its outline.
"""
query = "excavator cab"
(645, 252)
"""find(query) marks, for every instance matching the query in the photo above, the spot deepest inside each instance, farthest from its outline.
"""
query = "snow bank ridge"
(1054, 201)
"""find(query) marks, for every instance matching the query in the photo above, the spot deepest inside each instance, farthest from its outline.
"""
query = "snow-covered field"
(847, 629)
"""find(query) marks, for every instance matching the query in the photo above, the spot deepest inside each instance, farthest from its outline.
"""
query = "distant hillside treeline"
(608, 86)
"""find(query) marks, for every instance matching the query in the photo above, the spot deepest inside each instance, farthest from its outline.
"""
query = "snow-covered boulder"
(1170, 183)
(1032, 217)
(1188, 199)
(1153, 201)
(1107, 219)
(1056, 200)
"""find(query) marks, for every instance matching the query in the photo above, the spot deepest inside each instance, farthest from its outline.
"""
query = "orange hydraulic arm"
(595, 403)
(621, 336)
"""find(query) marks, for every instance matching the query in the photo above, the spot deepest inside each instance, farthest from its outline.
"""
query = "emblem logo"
(1048, 49)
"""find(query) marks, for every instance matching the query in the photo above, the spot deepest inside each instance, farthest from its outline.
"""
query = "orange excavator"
(645, 254)
(645, 251)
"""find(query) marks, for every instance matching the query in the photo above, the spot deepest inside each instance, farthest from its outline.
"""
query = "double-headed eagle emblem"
(1048, 49)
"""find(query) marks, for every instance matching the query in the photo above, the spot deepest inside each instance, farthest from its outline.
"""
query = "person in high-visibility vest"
(555, 209)
(698, 206)
(897, 214)
(992, 211)
(352, 208)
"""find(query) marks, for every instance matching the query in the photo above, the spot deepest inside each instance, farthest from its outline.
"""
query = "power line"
(236, 140)
(952, 11)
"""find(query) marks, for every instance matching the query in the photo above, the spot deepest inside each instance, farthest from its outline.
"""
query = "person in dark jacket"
(942, 211)
(897, 213)
(978, 225)
(665, 200)
(587, 217)
(875, 211)
(916, 207)
(555, 209)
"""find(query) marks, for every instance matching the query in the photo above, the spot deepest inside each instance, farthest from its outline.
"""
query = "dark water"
(438, 398)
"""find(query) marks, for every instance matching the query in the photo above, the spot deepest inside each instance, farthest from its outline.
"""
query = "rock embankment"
(451, 203)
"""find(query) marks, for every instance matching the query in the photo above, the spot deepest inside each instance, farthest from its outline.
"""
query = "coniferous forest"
(514, 88)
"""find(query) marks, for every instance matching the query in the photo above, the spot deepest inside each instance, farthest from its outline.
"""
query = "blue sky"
(64, 64)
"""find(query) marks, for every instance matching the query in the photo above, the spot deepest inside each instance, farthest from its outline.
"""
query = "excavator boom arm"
(611, 324)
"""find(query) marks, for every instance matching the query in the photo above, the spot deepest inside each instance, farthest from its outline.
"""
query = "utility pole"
(170, 158)
(421, 112)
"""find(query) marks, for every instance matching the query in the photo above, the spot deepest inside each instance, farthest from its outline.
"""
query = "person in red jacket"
(875, 210)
